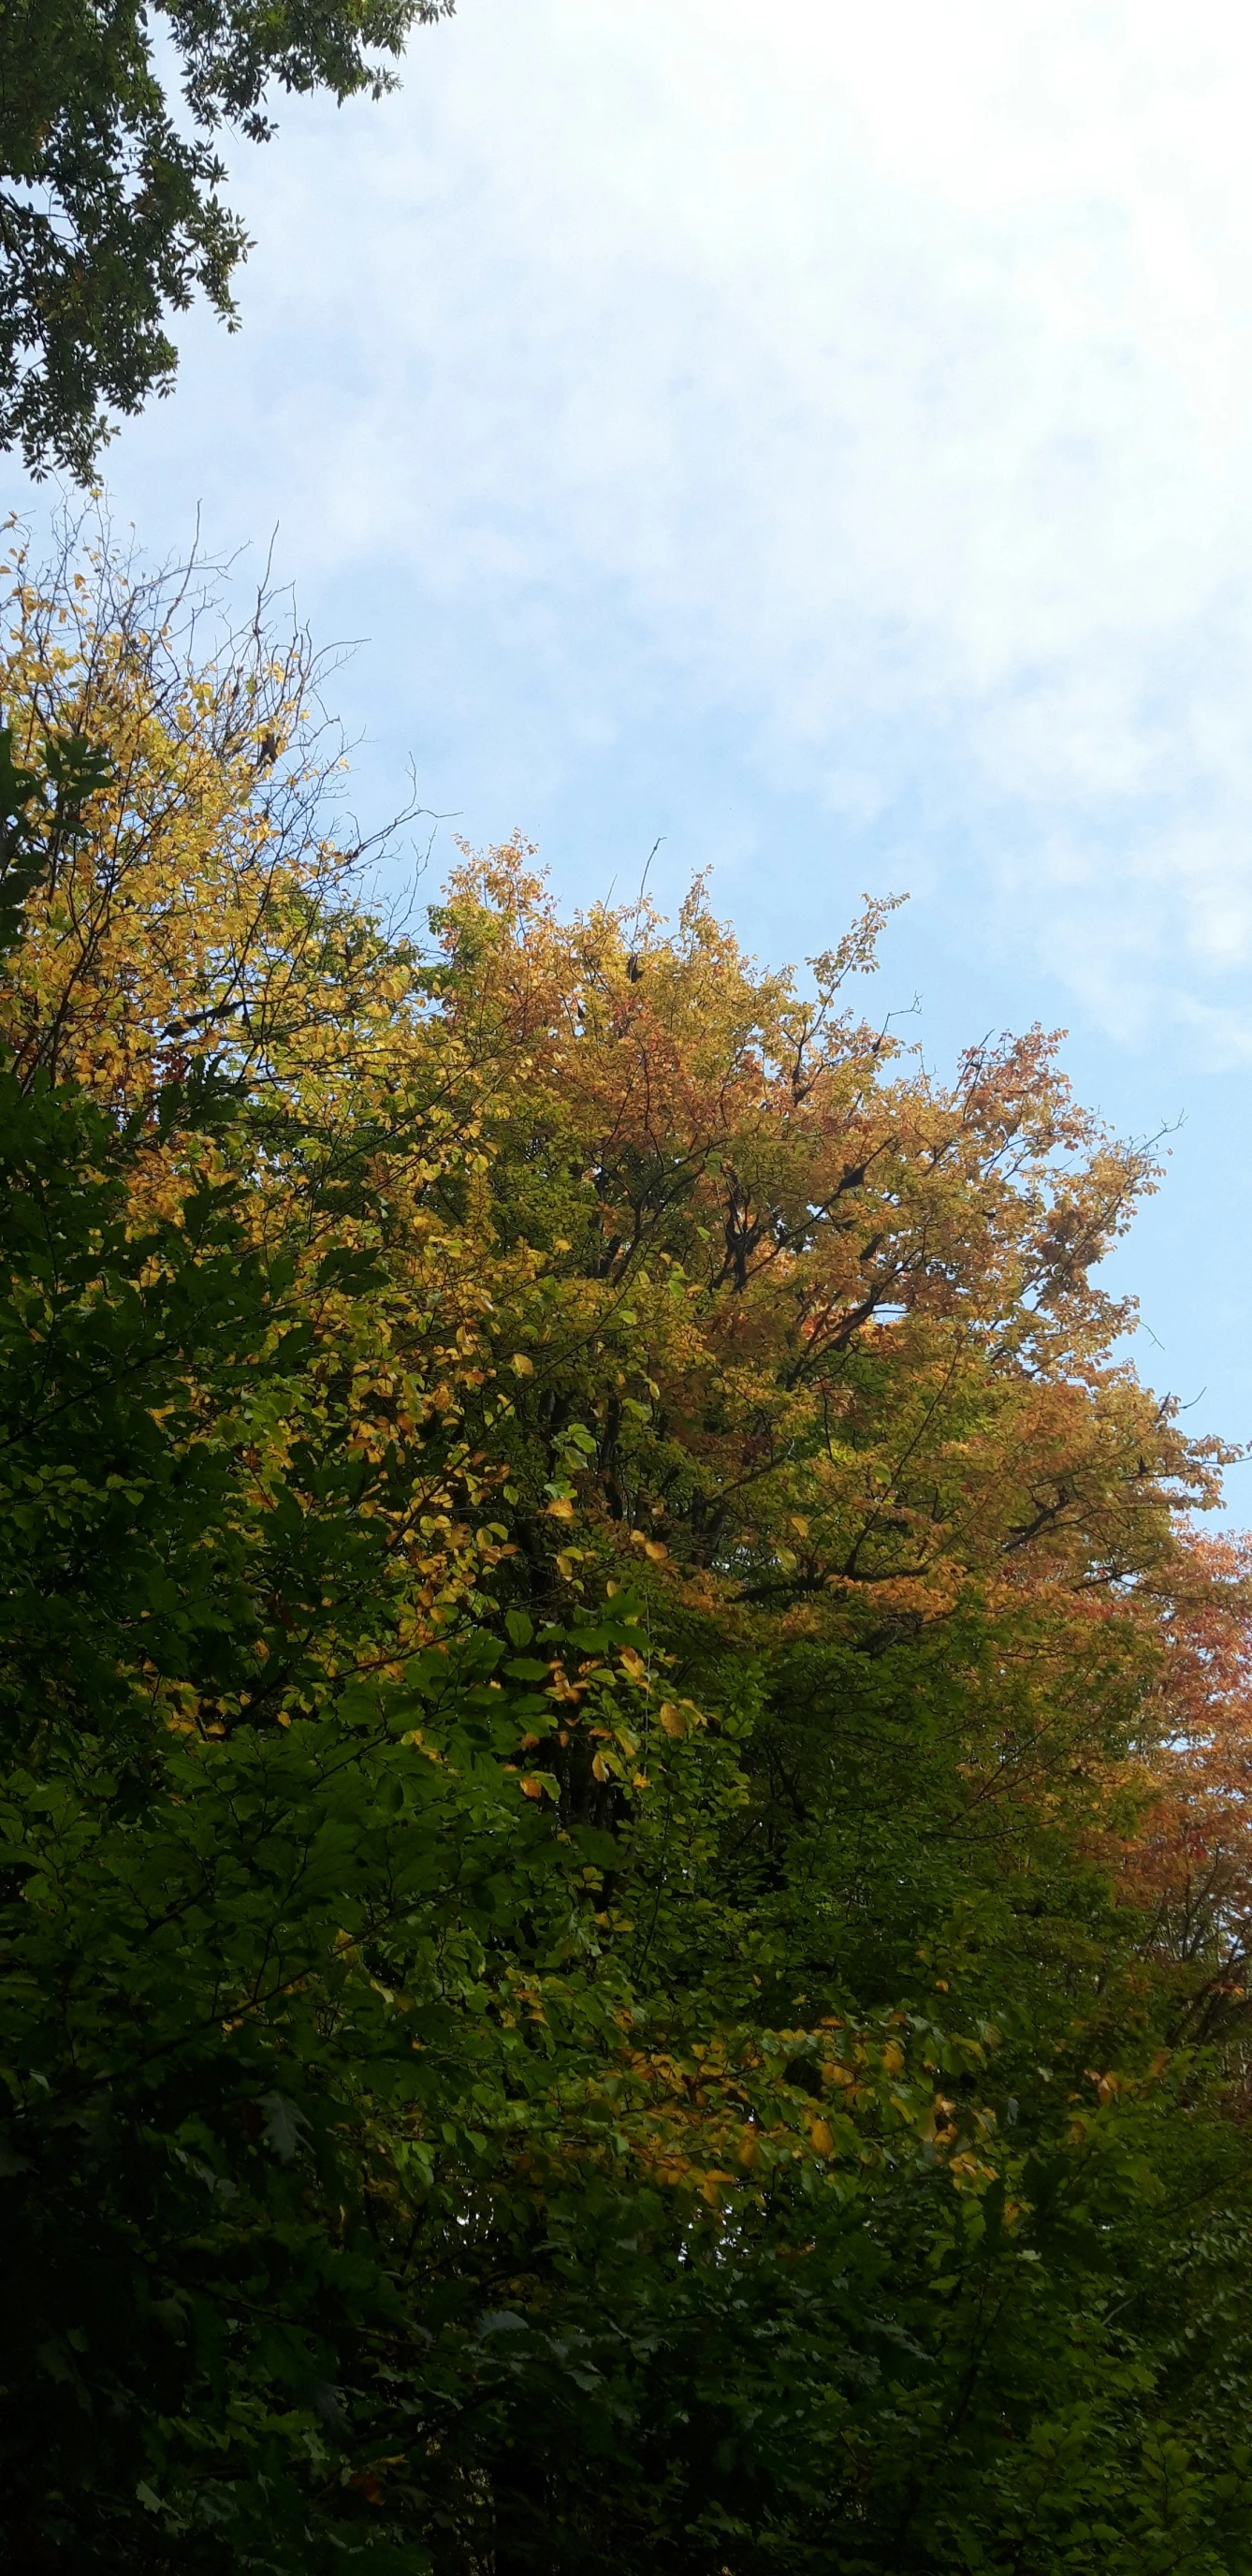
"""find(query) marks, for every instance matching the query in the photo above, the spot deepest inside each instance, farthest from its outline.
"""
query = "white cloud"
(883, 377)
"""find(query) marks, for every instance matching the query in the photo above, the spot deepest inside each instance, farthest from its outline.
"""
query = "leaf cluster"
(111, 217)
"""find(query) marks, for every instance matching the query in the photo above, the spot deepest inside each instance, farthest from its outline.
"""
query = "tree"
(1190, 1861)
(110, 212)
(223, 1839)
(592, 1634)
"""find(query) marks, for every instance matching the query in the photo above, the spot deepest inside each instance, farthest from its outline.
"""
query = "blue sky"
(822, 438)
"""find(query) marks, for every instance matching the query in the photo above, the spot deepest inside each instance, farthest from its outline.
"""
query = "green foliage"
(526, 2044)
(110, 218)
(253, 2003)
(256, 1989)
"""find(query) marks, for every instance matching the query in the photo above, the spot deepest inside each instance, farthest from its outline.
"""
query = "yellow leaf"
(672, 1718)
(561, 1509)
(522, 1367)
(600, 1769)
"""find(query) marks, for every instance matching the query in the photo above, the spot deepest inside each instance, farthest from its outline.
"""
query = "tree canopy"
(622, 1876)
(111, 216)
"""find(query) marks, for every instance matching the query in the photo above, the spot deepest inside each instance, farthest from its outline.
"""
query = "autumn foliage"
(624, 1866)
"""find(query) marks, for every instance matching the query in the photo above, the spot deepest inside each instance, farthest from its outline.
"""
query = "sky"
(820, 440)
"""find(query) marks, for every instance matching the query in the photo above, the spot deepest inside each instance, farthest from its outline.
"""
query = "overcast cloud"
(882, 377)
